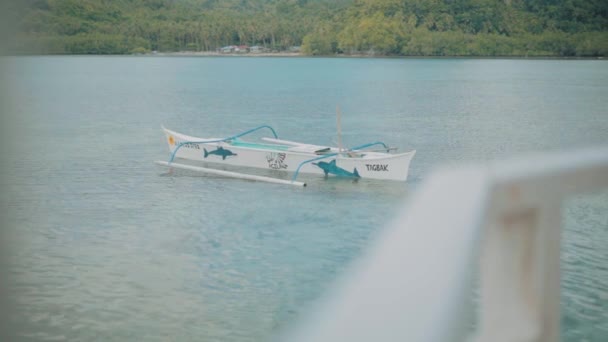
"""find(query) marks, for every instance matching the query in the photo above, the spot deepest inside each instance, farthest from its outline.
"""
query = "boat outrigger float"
(273, 153)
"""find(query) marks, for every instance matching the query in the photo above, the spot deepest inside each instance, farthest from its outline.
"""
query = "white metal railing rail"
(415, 283)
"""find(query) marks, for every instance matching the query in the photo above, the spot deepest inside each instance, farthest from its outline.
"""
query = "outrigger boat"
(272, 153)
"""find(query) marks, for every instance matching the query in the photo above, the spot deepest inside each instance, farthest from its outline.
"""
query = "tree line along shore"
(508, 28)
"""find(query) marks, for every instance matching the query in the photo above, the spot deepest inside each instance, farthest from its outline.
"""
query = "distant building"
(228, 49)
(257, 49)
(241, 49)
(294, 49)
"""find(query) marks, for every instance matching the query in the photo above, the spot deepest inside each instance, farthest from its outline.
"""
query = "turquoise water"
(104, 246)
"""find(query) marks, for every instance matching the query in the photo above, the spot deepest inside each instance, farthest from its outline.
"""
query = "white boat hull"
(369, 165)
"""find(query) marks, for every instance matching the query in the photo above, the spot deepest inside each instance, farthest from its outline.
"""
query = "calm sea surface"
(103, 246)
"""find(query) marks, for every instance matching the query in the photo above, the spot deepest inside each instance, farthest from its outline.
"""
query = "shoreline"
(219, 54)
(300, 55)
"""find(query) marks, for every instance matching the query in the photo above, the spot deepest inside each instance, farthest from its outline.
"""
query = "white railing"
(499, 221)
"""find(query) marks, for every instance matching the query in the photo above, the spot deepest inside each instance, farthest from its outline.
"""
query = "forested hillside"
(321, 27)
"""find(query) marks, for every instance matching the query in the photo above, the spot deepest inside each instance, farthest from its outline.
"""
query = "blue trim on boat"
(370, 145)
(269, 147)
(221, 140)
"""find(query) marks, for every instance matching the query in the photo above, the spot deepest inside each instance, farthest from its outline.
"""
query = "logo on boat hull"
(220, 151)
(332, 168)
(276, 161)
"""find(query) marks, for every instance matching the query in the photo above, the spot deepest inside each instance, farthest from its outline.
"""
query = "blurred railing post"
(415, 282)
(520, 276)
(520, 259)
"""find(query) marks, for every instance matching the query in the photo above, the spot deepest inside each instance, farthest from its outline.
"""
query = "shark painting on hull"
(220, 151)
(332, 168)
